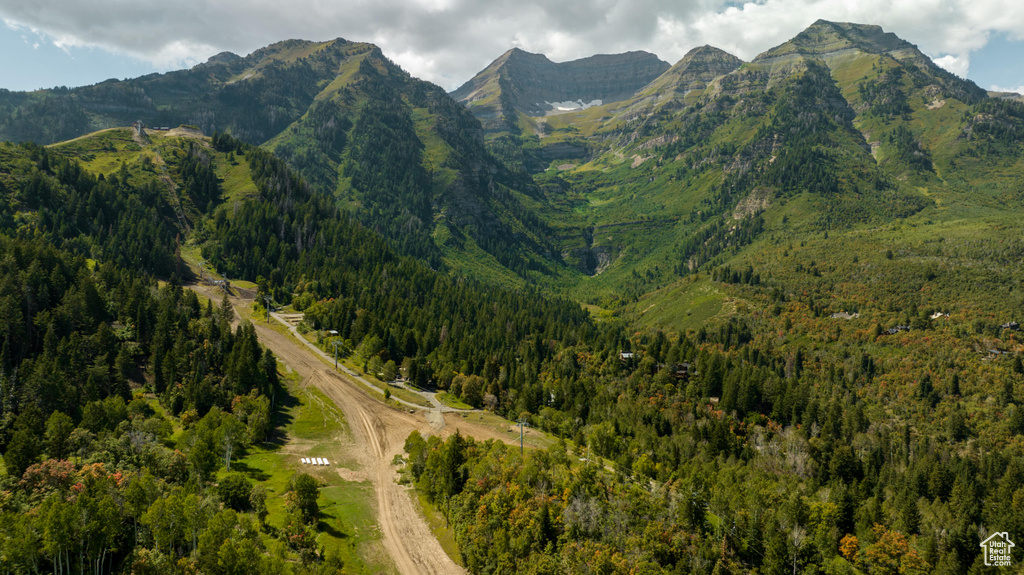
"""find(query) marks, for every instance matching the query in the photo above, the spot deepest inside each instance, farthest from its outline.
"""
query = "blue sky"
(45, 43)
(1000, 63)
(30, 62)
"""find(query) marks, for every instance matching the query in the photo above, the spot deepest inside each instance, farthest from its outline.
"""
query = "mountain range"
(604, 178)
(845, 128)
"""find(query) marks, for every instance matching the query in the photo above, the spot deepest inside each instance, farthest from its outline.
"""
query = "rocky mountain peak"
(533, 84)
(514, 58)
(824, 38)
(223, 58)
(706, 52)
(695, 71)
(834, 42)
(708, 59)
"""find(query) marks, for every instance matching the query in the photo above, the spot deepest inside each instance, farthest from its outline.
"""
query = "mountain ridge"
(850, 119)
(396, 151)
(523, 82)
(827, 36)
(519, 202)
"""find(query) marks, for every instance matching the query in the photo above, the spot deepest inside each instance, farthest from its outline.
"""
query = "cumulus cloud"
(995, 88)
(447, 41)
(958, 65)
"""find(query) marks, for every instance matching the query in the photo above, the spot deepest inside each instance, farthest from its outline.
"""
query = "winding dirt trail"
(379, 433)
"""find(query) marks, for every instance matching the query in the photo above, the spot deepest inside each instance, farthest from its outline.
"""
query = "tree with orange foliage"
(849, 546)
(891, 554)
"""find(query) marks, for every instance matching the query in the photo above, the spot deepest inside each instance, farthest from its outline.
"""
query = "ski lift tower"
(522, 422)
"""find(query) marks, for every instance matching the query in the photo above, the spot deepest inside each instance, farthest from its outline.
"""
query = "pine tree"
(58, 430)
(22, 451)
(452, 476)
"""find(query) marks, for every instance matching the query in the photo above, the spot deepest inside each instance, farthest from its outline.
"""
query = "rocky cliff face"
(533, 84)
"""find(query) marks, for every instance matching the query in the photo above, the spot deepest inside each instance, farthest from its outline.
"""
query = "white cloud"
(1018, 89)
(182, 53)
(958, 65)
(447, 41)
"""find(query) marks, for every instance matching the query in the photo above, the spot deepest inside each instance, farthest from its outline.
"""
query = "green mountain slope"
(843, 129)
(411, 164)
(253, 97)
(397, 151)
(176, 202)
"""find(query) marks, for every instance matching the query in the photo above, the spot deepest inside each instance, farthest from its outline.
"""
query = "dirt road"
(379, 433)
(352, 375)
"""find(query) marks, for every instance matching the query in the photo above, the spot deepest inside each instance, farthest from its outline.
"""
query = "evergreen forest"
(767, 324)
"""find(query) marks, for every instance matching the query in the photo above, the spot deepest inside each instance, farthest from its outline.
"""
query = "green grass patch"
(103, 152)
(685, 305)
(348, 523)
(598, 313)
(317, 418)
(235, 180)
(443, 532)
(312, 426)
(191, 254)
(452, 401)
(161, 411)
(404, 394)
(346, 72)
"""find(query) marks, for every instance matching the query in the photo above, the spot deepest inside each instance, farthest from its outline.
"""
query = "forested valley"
(774, 438)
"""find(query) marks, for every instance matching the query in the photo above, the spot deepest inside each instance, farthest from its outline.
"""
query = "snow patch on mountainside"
(571, 105)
